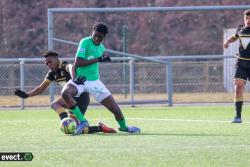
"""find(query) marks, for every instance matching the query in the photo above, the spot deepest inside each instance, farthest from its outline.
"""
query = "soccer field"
(171, 136)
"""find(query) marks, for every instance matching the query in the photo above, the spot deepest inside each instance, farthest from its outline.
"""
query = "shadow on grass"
(162, 134)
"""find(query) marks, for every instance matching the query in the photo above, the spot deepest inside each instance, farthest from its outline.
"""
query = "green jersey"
(88, 50)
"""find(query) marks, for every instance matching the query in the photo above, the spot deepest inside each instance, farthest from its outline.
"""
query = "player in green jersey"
(90, 52)
(61, 72)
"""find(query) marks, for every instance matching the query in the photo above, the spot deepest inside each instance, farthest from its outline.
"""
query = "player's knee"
(239, 88)
(53, 105)
(239, 83)
(65, 93)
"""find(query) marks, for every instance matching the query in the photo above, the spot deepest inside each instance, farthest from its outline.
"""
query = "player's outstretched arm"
(80, 62)
(38, 90)
(21, 93)
(229, 40)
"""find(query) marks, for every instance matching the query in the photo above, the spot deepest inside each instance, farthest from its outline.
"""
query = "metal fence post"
(51, 47)
(131, 83)
(50, 29)
(125, 50)
(22, 81)
(169, 82)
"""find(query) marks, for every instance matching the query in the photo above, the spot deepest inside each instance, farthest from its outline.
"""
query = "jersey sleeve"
(236, 35)
(104, 49)
(50, 76)
(82, 49)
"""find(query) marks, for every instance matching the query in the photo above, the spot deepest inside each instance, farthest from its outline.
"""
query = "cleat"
(131, 129)
(237, 120)
(105, 128)
(82, 125)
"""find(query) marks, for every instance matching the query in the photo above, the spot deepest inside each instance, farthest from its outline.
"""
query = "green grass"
(176, 136)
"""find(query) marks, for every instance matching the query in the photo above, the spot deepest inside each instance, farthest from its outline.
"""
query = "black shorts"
(242, 70)
(82, 102)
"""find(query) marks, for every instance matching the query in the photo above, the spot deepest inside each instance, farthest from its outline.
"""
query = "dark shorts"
(242, 70)
(83, 102)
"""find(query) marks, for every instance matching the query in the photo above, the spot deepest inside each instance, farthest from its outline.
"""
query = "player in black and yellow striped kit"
(61, 72)
(242, 72)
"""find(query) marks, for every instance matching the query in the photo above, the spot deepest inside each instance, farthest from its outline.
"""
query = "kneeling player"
(61, 72)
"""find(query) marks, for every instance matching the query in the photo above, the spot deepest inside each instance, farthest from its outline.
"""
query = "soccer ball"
(70, 115)
(68, 125)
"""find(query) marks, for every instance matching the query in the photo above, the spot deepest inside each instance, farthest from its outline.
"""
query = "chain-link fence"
(130, 81)
(117, 77)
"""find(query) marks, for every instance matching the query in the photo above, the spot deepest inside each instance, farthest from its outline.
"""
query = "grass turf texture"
(176, 136)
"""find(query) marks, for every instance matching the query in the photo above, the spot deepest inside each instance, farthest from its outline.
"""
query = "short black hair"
(50, 53)
(247, 12)
(100, 27)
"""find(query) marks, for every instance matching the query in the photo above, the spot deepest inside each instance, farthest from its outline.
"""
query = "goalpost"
(169, 80)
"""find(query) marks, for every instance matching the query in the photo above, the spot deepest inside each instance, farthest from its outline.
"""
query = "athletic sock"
(93, 129)
(77, 112)
(238, 107)
(122, 124)
(62, 113)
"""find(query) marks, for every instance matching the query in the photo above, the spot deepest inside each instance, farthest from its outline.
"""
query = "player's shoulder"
(85, 42)
(86, 39)
(102, 46)
(50, 75)
(64, 64)
(240, 27)
(50, 72)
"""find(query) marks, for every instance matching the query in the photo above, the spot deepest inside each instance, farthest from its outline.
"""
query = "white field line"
(184, 120)
(134, 149)
(131, 118)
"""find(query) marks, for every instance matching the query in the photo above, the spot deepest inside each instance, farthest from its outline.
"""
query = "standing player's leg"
(104, 96)
(238, 99)
(83, 102)
(59, 107)
(240, 79)
(112, 106)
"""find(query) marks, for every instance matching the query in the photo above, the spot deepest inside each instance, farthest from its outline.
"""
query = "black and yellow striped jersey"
(243, 34)
(61, 75)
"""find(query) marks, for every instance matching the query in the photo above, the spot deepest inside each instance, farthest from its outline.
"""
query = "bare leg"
(59, 107)
(112, 106)
(68, 92)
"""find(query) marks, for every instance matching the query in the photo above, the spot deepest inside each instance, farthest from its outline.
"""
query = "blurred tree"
(23, 27)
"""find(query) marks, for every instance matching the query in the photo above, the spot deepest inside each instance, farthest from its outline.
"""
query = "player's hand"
(21, 93)
(80, 80)
(104, 58)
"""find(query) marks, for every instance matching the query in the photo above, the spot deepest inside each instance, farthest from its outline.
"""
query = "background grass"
(198, 136)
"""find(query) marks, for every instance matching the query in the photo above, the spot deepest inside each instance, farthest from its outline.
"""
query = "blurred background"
(23, 27)
(160, 35)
